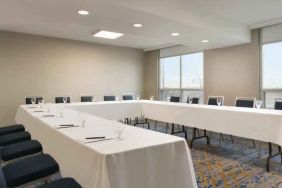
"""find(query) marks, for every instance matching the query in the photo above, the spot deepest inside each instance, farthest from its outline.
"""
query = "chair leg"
(156, 122)
(172, 128)
(254, 144)
(166, 128)
(279, 149)
(231, 136)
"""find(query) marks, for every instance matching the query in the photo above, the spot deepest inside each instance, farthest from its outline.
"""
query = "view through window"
(272, 72)
(182, 76)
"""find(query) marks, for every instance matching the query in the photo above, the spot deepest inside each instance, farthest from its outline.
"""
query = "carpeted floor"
(227, 164)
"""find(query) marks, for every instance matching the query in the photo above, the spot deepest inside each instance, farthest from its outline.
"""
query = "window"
(192, 71)
(272, 72)
(182, 76)
(170, 68)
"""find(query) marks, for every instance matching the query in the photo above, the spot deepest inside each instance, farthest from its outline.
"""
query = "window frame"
(262, 90)
(181, 89)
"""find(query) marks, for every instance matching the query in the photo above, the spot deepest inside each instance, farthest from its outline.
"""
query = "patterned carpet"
(234, 165)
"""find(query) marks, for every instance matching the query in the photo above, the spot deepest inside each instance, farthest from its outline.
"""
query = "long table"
(143, 159)
(259, 124)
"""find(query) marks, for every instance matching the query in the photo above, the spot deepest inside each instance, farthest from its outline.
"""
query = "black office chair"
(20, 149)
(86, 98)
(27, 170)
(245, 102)
(174, 99)
(127, 97)
(11, 129)
(37, 98)
(110, 98)
(62, 183)
(60, 99)
(278, 104)
(195, 100)
(212, 100)
(181, 130)
(14, 138)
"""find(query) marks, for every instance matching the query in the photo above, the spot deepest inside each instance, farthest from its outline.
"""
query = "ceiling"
(222, 22)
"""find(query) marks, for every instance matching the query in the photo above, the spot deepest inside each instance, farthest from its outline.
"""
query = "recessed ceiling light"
(83, 12)
(205, 41)
(107, 34)
(137, 25)
(175, 34)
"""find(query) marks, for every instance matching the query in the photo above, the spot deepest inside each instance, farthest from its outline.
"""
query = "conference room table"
(252, 123)
(142, 159)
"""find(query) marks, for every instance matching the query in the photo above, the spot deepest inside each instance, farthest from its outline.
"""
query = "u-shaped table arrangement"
(143, 158)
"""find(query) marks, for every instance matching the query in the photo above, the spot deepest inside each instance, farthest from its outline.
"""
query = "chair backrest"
(174, 99)
(247, 102)
(212, 100)
(59, 99)
(278, 104)
(37, 98)
(127, 97)
(195, 100)
(86, 98)
(109, 98)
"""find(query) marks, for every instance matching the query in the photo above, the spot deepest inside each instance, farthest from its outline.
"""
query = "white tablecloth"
(259, 124)
(143, 159)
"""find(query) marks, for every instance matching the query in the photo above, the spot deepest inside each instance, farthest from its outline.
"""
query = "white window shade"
(272, 34)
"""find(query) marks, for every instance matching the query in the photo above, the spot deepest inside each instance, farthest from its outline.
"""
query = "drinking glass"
(168, 99)
(83, 117)
(60, 109)
(118, 129)
(33, 100)
(258, 104)
(117, 98)
(65, 99)
(151, 98)
(49, 107)
(137, 97)
(93, 99)
(218, 101)
(190, 100)
(41, 102)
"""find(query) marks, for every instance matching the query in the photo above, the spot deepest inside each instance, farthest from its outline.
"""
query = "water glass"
(65, 99)
(60, 109)
(33, 100)
(190, 100)
(117, 98)
(168, 99)
(218, 101)
(258, 104)
(137, 97)
(83, 117)
(151, 98)
(49, 107)
(118, 129)
(41, 103)
(93, 99)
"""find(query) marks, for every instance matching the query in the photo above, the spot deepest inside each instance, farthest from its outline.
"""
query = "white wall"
(35, 65)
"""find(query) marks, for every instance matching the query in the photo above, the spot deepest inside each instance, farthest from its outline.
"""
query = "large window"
(272, 72)
(182, 76)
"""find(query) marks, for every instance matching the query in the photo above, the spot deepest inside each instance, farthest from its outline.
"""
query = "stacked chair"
(23, 162)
